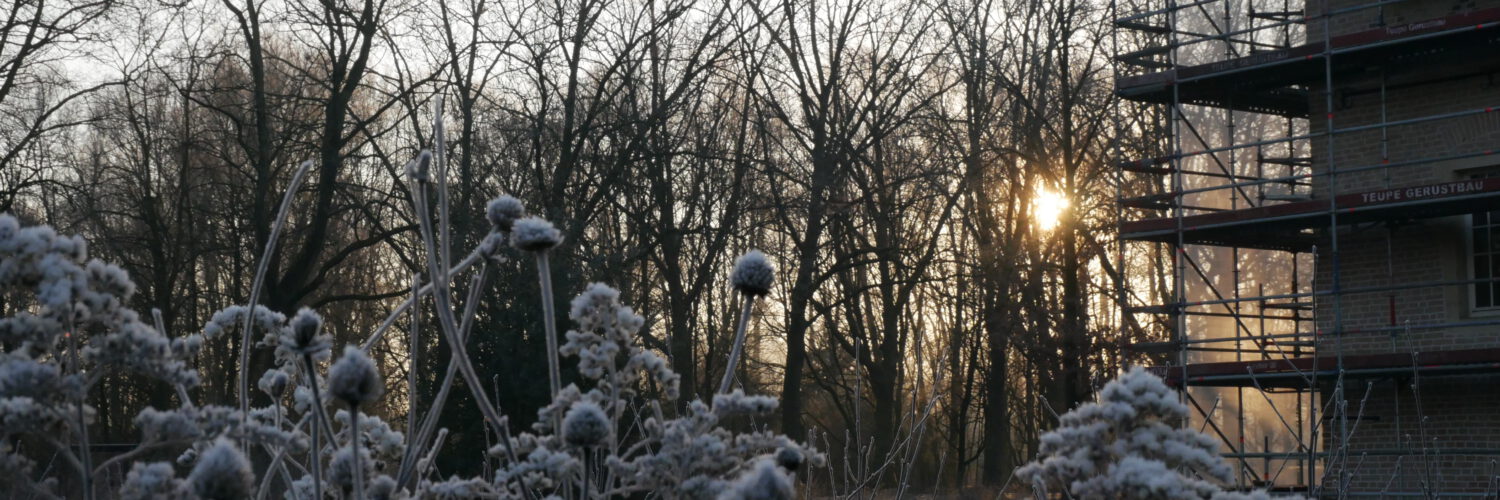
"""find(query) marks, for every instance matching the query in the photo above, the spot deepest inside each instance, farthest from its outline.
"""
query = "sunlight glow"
(1048, 206)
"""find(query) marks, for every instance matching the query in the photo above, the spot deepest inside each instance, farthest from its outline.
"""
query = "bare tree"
(37, 41)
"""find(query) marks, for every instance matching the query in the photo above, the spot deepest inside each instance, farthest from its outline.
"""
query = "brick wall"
(1357, 102)
(1427, 250)
(1345, 22)
(1455, 413)
(1451, 436)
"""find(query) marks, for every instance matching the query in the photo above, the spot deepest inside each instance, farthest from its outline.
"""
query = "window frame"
(1492, 250)
(1471, 273)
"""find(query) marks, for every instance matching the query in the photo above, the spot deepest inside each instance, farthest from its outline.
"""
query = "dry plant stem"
(390, 319)
(260, 278)
(450, 330)
(85, 465)
(34, 490)
(279, 465)
(137, 451)
(739, 344)
(439, 160)
(359, 473)
(426, 461)
(554, 374)
(418, 440)
(276, 461)
(413, 347)
(918, 427)
(64, 451)
(182, 394)
(861, 460)
(588, 489)
(316, 458)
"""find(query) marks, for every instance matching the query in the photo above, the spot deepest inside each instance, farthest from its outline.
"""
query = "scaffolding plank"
(1292, 372)
(1275, 81)
(1143, 27)
(1284, 226)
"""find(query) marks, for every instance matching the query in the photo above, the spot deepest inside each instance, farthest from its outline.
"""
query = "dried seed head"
(382, 487)
(222, 473)
(585, 425)
(273, 382)
(341, 469)
(753, 274)
(417, 169)
(354, 378)
(534, 234)
(764, 481)
(305, 334)
(147, 481)
(504, 211)
(790, 458)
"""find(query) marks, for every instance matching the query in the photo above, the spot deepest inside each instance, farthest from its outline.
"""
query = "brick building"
(1328, 185)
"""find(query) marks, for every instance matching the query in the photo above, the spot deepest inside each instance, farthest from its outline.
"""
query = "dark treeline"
(893, 158)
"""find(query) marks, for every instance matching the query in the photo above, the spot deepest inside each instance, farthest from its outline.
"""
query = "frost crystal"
(354, 379)
(156, 425)
(341, 468)
(534, 234)
(302, 399)
(504, 211)
(606, 329)
(23, 377)
(231, 318)
(273, 382)
(222, 473)
(383, 487)
(151, 481)
(753, 274)
(737, 402)
(456, 489)
(586, 425)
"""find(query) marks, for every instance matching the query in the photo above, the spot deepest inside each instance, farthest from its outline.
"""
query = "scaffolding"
(1261, 190)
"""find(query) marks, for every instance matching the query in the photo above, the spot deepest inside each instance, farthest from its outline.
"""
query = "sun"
(1048, 207)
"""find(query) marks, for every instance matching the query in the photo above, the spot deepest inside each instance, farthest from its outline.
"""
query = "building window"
(1484, 258)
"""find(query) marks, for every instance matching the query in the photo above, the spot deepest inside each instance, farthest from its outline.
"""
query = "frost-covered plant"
(534, 234)
(150, 481)
(1127, 445)
(586, 425)
(537, 236)
(752, 276)
(354, 378)
(765, 480)
(222, 473)
(614, 442)
(604, 436)
(68, 330)
(503, 212)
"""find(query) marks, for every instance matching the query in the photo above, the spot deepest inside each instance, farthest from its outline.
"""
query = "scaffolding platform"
(1290, 226)
(1238, 103)
(1300, 372)
(1277, 81)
